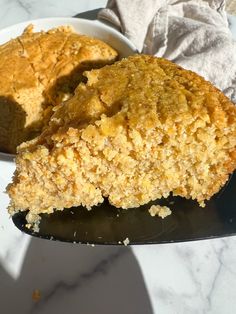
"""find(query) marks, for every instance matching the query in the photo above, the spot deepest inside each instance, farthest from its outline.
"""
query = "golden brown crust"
(38, 71)
(137, 131)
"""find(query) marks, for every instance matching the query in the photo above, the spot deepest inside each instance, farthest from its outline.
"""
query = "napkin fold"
(192, 33)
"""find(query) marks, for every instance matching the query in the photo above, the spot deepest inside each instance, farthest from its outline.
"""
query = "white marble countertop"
(196, 277)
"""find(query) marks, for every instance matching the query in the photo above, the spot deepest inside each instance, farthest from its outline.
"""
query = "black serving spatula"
(106, 224)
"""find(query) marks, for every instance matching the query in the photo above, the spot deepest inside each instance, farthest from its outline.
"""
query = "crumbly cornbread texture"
(137, 131)
(38, 71)
(158, 210)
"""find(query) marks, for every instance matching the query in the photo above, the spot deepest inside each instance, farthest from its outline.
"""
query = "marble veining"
(191, 277)
(26, 6)
(184, 278)
(16, 11)
(81, 280)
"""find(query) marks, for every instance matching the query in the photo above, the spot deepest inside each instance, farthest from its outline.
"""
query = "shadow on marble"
(93, 15)
(88, 15)
(75, 279)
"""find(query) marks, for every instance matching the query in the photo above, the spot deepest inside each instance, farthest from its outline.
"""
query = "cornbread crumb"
(91, 244)
(126, 241)
(36, 295)
(161, 211)
(138, 130)
(33, 221)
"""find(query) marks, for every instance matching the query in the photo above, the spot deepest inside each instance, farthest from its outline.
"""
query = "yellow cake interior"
(137, 131)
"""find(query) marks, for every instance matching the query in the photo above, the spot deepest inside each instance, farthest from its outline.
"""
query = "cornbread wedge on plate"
(137, 131)
(38, 71)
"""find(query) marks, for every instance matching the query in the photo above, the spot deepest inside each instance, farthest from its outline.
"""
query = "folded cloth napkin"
(191, 33)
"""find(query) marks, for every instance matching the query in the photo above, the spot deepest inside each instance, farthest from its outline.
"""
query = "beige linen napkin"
(191, 33)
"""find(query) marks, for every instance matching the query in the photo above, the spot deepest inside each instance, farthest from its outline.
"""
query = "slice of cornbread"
(137, 131)
(38, 71)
